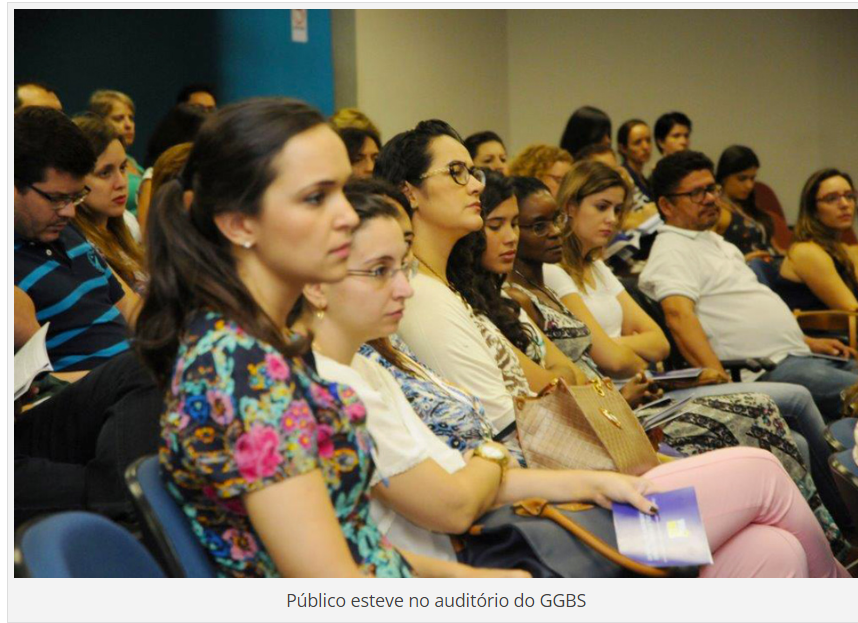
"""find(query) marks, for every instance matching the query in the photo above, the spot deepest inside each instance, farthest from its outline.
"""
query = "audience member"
(72, 449)
(118, 109)
(443, 329)
(742, 222)
(258, 212)
(422, 489)
(363, 147)
(586, 126)
(819, 271)
(200, 94)
(713, 303)
(634, 142)
(641, 209)
(488, 151)
(544, 162)
(353, 118)
(100, 218)
(672, 133)
(32, 93)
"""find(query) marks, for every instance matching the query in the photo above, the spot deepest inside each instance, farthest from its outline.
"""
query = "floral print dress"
(240, 417)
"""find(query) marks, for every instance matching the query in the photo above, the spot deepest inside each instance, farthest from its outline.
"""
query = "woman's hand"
(606, 487)
(639, 390)
(753, 255)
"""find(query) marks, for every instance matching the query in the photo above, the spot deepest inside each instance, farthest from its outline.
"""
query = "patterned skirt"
(751, 420)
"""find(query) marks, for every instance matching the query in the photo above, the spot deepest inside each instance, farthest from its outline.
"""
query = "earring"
(320, 314)
(247, 244)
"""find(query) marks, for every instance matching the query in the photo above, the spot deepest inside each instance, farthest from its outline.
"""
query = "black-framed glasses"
(385, 274)
(850, 196)
(58, 202)
(699, 194)
(459, 171)
(541, 228)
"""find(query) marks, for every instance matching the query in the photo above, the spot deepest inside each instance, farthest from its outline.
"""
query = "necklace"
(431, 270)
(445, 282)
(542, 289)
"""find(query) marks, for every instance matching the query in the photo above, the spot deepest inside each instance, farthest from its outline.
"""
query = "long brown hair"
(586, 178)
(809, 228)
(190, 261)
(115, 242)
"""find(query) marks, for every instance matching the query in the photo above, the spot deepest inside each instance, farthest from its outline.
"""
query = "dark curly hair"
(480, 287)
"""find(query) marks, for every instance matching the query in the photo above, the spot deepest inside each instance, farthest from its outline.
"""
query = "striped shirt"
(73, 288)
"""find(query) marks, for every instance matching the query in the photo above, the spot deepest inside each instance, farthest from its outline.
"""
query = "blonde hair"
(536, 160)
(586, 178)
(169, 165)
(353, 118)
(101, 101)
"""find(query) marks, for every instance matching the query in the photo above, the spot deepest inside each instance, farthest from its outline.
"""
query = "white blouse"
(601, 300)
(402, 441)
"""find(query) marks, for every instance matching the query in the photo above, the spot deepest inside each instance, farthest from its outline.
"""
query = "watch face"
(491, 452)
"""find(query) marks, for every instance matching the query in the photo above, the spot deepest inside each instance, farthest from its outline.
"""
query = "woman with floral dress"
(270, 464)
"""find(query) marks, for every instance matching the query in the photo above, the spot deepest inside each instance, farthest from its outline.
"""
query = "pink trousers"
(757, 522)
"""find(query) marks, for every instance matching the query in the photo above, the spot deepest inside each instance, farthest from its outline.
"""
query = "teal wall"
(258, 56)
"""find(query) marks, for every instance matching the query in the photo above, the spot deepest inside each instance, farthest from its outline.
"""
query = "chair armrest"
(754, 364)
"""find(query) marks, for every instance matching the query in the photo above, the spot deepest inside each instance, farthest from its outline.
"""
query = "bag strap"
(536, 507)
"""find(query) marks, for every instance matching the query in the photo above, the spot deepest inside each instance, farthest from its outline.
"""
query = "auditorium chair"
(77, 544)
(166, 530)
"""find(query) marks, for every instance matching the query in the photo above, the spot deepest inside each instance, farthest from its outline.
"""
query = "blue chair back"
(766, 272)
(165, 527)
(76, 544)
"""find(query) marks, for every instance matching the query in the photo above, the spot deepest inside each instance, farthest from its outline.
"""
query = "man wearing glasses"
(71, 449)
(713, 303)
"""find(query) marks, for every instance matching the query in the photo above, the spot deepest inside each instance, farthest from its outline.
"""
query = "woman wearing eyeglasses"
(819, 271)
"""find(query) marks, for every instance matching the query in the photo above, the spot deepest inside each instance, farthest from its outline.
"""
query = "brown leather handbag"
(583, 427)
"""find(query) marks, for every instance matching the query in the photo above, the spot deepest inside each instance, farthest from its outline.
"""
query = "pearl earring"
(247, 245)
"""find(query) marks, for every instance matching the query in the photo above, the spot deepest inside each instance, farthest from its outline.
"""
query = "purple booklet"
(673, 538)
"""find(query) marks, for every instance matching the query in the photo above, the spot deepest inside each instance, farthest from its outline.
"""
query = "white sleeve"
(670, 271)
(396, 450)
(608, 279)
(559, 280)
(438, 328)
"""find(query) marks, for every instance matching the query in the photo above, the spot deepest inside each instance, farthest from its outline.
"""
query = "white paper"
(31, 361)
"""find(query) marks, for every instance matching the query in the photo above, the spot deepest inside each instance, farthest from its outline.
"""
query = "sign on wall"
(299, 25)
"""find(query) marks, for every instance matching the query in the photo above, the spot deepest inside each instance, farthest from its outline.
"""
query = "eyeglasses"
(541, 228)
(698, 194)
(460, 173)
(850, 196)
(58, 202)
(385, 274)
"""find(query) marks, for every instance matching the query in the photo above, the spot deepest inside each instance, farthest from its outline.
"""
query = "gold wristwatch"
(491, 452)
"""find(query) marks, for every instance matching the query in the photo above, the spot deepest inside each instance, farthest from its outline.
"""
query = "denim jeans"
(823, 377)
(798, 408)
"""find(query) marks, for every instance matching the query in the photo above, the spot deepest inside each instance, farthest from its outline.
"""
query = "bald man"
(35, 94)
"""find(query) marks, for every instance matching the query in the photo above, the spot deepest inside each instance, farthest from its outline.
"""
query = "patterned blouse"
(240, 417)
(451, 413)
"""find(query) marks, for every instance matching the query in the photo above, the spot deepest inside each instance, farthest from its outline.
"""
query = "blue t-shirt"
(73, 288)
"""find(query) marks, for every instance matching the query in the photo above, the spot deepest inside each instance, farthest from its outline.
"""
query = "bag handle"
(537, 507)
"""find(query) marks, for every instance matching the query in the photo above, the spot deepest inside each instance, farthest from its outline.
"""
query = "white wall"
(781, 82)
(422, 64)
